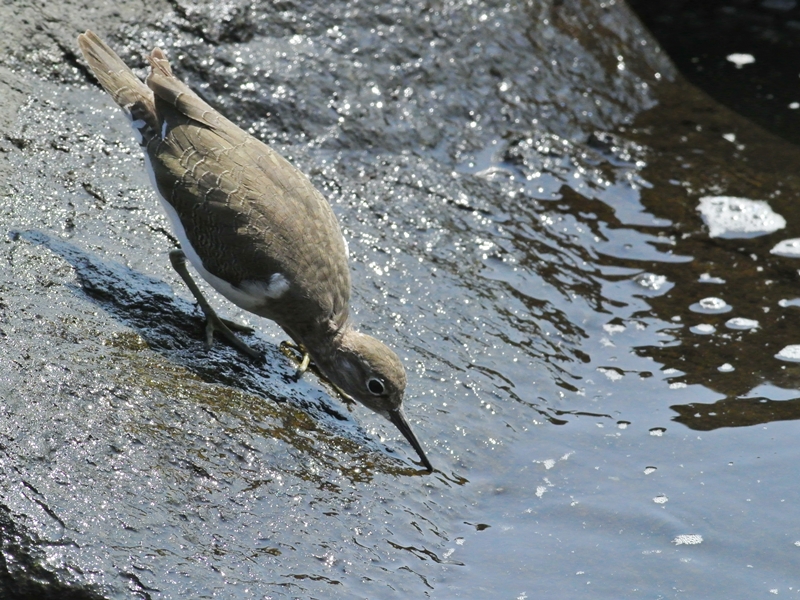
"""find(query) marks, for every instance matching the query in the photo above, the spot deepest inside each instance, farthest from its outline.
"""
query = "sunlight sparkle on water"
(688, 539)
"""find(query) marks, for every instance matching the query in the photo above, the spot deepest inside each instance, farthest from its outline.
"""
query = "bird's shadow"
(174, 328)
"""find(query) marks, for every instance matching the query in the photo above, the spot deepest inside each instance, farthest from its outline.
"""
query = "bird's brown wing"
(247, 211)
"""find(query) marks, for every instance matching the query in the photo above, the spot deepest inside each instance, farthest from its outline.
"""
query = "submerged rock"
(517, 217)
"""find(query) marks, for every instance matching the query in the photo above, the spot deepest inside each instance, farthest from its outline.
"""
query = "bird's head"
(370, 373)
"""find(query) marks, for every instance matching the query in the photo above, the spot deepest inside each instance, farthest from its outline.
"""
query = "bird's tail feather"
(127, 90)
(174, 92)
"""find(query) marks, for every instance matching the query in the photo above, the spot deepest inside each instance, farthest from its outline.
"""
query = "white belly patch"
(251, 294)
(274, 289)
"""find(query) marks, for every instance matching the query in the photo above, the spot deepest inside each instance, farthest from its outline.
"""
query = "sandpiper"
(254, 227)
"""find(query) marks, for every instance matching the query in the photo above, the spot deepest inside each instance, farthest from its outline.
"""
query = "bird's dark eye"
(376, 386)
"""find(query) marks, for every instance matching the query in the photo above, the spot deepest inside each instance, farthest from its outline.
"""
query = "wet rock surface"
(519, 185)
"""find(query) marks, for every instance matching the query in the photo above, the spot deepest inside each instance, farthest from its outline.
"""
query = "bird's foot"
(290, 349)
(215, 324)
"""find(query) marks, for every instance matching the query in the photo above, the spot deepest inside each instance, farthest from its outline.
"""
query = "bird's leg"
(234, 326)
(305, 360)
(213, 321)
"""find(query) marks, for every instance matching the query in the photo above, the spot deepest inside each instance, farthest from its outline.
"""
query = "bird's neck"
(324, 344)
(330, 350)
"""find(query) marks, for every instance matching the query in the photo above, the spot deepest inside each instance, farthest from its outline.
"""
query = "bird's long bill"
(398, 418)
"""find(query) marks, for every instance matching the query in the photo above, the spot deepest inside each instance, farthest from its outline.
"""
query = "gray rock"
(135, 463)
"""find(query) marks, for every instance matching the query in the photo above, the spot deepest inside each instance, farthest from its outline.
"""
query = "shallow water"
(536, 268)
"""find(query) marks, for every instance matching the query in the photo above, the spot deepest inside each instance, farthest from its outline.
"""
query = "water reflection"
(730, 299)
(560, 230)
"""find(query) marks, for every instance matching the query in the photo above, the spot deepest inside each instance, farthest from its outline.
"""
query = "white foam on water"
(710, 306)
(707, 278)
(741, 59)
(651, 281)
(789, 353)
(732, 218)
(703, 329)
(789, 248)
(741, 323)
(610, 373)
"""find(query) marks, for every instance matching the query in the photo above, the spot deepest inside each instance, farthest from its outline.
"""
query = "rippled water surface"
(592, 374)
